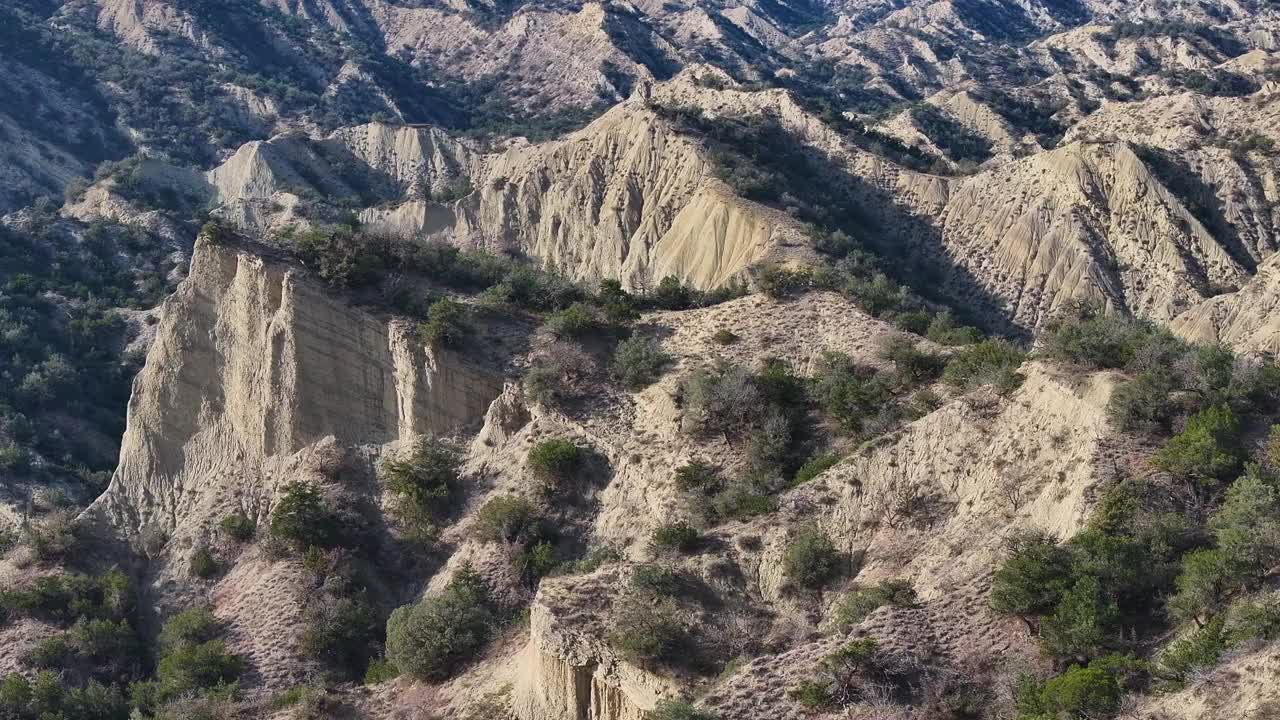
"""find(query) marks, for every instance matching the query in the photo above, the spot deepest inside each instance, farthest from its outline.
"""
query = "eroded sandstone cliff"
(253, 361)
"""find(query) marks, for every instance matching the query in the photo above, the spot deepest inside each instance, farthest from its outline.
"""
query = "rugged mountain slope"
(635, 196)
(1003, 160)
(1245, 319)
(214, 429)
(256, 378)
(1103, 81)
(961, 458)
(626, 197)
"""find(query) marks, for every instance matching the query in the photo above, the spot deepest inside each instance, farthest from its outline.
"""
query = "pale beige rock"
(568, 670)
(1247, 320)
(1083, 222)
(625, 197)
(1241, 687)
(252, 361)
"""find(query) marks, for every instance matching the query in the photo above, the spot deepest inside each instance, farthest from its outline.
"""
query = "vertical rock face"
(566, 672)
(253, 361)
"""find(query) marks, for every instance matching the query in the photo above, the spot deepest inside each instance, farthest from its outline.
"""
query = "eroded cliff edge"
(252, 361)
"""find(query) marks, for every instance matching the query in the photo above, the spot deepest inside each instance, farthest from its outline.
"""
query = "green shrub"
(677, 710)
(922, 403)
(531, 288)
(768, 449)
(1202, 584)
(555, 461)
(14, 459)
(915, 322)
(1088, 592)
(698, 476)
(1255, 619)
(192, 626)
(990, 362)
(671, 294)
(858, 668)
(739, 501)
(1213, 369)
(44, 698)
(679, 537)
(1246, 525)
(857, 605)
(288, 698)
(1082, 622)
(103, 641)
(340, 632)
(1207, 451)
(912, 365)
(1200, 648)
(381, 671)
(1089, 337)
(777, 281)
(618, 304)
(64, 598)
(576, 321)
(507, 518)
(638, 362)
(339, 255)
(1142, 404)
(545, 384)
(1080, 692)
(302, 518)
(657, 580)
(446, 324)
(724, 336)
(944, 331)
(814, 467)
(848, 392)
(423, 483)
(644, 630)
(203, 564)
(594, 559)
(780, 386)
(811, 560)
(812, 694)
(219, 705)
(50, 653)
(193, 663)
(238, 527)
(857, 656)
(1033, 578)
(1246, 531)
(1256, 388)
(878, 295)
(192, 668)
(537, 560)
(53, 538)
(434, 638)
